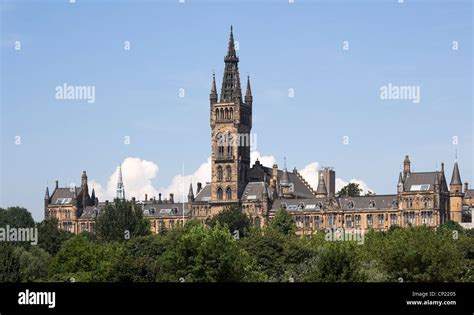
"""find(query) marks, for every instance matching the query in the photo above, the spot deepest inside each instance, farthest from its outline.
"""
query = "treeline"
(229, 249)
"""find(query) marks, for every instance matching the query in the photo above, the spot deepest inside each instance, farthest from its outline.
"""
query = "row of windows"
(224, 114)
(220, 193)
(220, 173)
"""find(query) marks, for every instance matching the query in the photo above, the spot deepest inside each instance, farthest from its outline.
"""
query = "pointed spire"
(46, 194)
(120, 186)
(231, 91)
(436, 182)
(248, 93)
(93, 195)
(190, 193)
(213, 94)
(285, 180)
(322, 190)
(400, 178)
(456, 178)
(231, 49)
(265, 186)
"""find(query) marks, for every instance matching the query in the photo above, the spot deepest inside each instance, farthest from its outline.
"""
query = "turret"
(322, 191)
(213, 94)
(248, 93)
(455, 195)
(406, 167)
(190, 193)
(85, 190)
(46, 198)
(400, 183)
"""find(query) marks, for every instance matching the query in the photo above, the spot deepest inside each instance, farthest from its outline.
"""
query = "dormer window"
(372, 204)
(319, 206)
(350, 205)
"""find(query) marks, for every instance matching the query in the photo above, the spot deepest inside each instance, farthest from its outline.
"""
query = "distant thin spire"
(120, 186)
(46, 194)
(231, 91)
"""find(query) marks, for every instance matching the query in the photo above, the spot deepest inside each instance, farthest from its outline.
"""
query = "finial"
(456, 155)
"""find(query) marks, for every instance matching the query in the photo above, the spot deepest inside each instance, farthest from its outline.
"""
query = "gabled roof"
(421, 181)
(469, 193)
(204, 195)
(64, 195)
(254, 191)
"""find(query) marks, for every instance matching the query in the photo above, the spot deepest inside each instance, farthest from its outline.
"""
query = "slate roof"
(62, 195)
(417, 181)
(165, 209)
(307, 204)
(368, 202)
(204, 195)
(254, 190)
(469, 193)
(88, 213)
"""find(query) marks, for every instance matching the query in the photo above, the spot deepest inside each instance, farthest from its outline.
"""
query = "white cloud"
(265, 160)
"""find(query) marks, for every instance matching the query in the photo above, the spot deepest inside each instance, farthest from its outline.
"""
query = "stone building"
(420, 198)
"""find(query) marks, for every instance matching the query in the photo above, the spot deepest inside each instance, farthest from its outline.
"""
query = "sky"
(317, 69)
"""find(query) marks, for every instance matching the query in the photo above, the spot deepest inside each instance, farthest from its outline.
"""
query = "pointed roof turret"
(46, 194)
(322, 190)
(400, 178)
(93, 195)
(190, 192)
(436, 182)
(231, 91)
(285, 180)
(120, 186)
(456, 178)
(213, 94)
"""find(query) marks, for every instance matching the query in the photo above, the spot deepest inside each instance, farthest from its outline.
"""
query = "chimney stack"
(146, 197)
(466, 186)
(199, 187)
(159, 198)
(57, 184)
(171, 198)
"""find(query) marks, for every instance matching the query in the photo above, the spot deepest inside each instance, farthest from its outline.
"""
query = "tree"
(18, 217)
(206, 254)
(9, 263)
(283, 222)
(121, 221)
(350, 190)
(33, 263)
(233, 218)
(50, 237)
(80, 259)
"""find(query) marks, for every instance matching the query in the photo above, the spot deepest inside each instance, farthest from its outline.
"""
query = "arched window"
(229, 145)
(220, 146)
(226, 113)
(228, 193)
(228, 171)
(219, 194)
(231, 113)
(217, 114)
(222, 114)
(220, 173)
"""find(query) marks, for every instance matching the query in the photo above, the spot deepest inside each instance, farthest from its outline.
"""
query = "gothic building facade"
(421, 198)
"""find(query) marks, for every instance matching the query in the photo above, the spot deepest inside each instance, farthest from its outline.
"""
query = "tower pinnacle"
(120, 187)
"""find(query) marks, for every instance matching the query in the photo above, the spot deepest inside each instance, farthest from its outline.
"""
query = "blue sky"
(282, 46)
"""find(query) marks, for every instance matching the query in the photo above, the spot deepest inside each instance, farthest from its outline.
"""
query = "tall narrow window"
(219, 194)
(220, 173)
(228, 171)
(228, 193)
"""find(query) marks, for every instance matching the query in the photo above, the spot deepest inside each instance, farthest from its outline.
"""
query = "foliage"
(16, 217)
(233, 218)
(350, 190)
(50, 237)
(283, 222)
(121, 220)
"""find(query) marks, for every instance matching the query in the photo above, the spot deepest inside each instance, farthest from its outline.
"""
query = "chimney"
(159, 198)
(133, 199)
(106, 202)
(466, 186)
(57, 184)
(199, 187)
(171, 198)
(442, 168)
(146, 197)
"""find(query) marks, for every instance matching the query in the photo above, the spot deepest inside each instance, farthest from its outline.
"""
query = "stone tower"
(231, 122)
(455, 195)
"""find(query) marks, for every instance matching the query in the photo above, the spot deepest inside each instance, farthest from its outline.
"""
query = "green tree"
(206, 254)
(9, 263)
(233, 218)
(33, 263)
(16, 217)
(83, 260)
(283, 222)
(50, 237)
(118, 221)
(350, 190)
